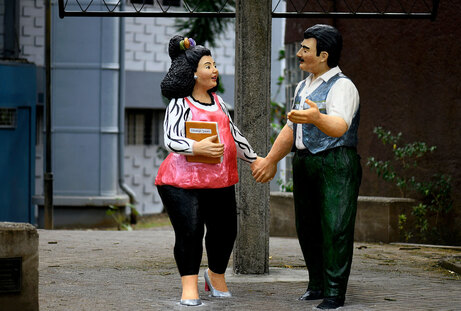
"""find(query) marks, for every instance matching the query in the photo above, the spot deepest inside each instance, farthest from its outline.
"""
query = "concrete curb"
(452, 263)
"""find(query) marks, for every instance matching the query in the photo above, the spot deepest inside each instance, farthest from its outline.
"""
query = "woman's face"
(207, 73)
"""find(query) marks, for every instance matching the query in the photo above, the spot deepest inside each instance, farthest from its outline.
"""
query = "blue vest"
(314, 139)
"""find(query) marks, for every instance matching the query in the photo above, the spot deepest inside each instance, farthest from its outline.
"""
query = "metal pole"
(252, 102)
(48, 176)
(121, 114)
(435, 9)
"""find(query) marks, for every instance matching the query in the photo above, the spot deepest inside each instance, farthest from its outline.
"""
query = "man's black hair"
(329, 39)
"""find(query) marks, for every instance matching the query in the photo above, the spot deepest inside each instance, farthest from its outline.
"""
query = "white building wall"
(147, 45)
(146, 50)
(146, 40)
(141, 167)
(32, 31)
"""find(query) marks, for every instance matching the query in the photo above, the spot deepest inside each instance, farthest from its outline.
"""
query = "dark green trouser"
(326, 187)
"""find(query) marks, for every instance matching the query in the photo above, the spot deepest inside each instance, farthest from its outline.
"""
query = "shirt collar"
(329, 74)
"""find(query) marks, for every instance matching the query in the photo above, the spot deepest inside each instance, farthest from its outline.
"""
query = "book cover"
(198, 130)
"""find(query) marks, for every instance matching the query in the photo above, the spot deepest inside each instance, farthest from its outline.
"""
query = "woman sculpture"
(199, 195)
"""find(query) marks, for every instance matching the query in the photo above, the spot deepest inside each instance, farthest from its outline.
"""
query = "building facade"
(85, 71)
(406, 71)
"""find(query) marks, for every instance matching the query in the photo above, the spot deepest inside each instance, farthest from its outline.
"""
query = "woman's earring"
(195, 77)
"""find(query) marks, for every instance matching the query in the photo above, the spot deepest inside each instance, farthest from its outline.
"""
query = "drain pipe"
(121, 116)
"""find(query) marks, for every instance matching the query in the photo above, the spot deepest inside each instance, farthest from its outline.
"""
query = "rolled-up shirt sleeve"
(343, 100)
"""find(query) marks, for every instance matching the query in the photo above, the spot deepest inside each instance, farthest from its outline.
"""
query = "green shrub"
(285, 186)
(428, 218)
(121, 219)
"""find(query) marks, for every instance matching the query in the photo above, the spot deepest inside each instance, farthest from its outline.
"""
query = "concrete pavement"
(120, 270)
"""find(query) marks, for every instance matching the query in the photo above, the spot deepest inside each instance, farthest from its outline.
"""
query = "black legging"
(189, 210)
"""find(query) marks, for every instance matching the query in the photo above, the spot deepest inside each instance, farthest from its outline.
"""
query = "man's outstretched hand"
(310, 115)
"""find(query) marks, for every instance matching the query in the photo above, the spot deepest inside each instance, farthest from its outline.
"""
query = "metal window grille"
(293, 75)
(144, 127)
(145, 8)
(407, 9)
(134, 128)
(10, 275)
(413, 9)
(8, 117)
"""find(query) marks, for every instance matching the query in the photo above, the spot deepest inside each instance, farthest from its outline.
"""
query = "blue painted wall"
(17, 142)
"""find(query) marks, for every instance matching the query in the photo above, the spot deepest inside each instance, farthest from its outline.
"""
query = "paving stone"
(120, 270)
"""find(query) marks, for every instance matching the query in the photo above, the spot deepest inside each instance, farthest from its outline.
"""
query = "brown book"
(198, 130)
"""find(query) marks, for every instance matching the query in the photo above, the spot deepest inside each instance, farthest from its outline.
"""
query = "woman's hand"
(263, 170)
(209, 147)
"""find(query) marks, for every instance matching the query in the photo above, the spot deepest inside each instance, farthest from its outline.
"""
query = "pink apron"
(176, 171)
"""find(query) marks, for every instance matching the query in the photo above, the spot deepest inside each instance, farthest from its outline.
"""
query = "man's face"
(307, 55)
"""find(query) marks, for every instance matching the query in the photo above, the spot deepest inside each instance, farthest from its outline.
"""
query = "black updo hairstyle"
(179, 81)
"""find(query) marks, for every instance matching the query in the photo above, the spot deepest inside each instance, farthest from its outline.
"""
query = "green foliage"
(435, 205)
(204, 30)
(405, 157)
(281, 54)
(426, 223)
(286, 187)
(277, 119)
(402, 225)
(278, 114)
(118, 214)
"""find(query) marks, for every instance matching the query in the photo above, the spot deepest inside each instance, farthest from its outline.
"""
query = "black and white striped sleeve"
(174, 126)
(244, 149)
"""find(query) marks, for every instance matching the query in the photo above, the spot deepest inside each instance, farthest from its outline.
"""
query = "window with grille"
(10, 275)
(144, 126)
(293, 75)
(7, 117)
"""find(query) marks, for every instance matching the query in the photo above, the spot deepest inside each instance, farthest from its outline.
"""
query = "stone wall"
(141, 166)
(18, 243)
(376, 221)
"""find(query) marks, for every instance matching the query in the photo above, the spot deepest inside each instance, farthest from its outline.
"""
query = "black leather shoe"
(329, 303)
(311, 295)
